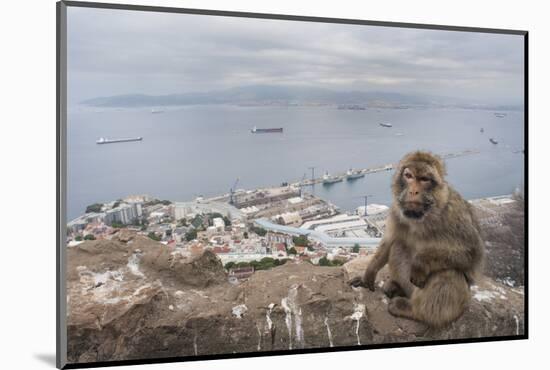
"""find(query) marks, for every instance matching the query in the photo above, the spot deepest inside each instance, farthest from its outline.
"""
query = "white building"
(372, 209)
(125, 214)
(288, 218)
(181, 210)
(218, 223)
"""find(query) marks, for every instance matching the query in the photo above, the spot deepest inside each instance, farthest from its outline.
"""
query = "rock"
(124, 235)
(118, 308)
(356, 267)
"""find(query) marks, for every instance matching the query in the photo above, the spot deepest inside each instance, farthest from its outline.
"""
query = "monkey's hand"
(369, 278)
(419, 273)
(366, 281)
(356, 282)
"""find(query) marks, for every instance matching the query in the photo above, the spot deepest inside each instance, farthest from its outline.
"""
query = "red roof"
(223, 249)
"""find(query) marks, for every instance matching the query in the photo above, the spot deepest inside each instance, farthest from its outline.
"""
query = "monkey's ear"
(397, 180)
(440, 165)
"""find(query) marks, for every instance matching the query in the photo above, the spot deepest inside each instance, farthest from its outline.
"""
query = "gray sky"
(113, 52)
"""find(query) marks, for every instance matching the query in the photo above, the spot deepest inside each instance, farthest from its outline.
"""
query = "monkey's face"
(418, 182)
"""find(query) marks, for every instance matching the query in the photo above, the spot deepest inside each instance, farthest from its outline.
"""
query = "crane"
(301, 184)
(312, 174)
(366, 200)
(232, 191)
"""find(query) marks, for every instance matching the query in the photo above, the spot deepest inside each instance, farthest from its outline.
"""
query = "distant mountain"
(278, 95)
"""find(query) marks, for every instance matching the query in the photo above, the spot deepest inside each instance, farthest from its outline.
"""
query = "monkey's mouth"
(415, 210)
(413, 214)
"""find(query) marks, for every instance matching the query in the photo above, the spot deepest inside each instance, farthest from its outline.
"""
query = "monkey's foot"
(392, 289)
(400, 307)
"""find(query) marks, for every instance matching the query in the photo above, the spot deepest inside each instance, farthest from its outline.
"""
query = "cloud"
(118, 52)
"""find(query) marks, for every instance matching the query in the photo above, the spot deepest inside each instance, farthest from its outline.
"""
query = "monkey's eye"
(424, 179)
(408, 175)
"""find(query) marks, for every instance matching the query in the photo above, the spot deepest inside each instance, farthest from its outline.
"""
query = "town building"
(289, 218)
(273, 237)
(219, 224)
(125, 214)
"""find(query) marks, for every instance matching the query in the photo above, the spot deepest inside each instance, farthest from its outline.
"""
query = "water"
(202, 150)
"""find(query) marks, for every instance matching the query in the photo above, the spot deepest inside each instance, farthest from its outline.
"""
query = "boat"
(103, 140)
(351, 107)
(493, 141)
(328, 179)
(482, 130)
(154, 111)
(386, 124)
(256, 130)
(500, 115)
(353, 174)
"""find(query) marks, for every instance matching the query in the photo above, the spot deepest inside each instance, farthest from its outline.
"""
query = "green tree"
(292, 251)
(226, 221)
(258, 230)
(355, 248)
(267, 260)
(324, 261)
(78, 238)
(300, 241)
(245, 235)
(229, 265)
(191, 235)
(89, 237)
(96, 207)
(157, 201)
(154, 236)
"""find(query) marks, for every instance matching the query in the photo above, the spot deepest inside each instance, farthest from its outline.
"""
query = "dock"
(366, 171)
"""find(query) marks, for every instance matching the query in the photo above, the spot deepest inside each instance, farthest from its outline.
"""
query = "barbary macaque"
(432, 245)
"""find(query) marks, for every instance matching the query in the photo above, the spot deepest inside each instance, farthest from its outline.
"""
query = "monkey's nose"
(413, 192)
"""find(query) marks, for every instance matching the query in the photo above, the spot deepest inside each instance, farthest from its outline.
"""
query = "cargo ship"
(103, 140)
(256, 130)
(328, 179)
(493, 141)
(352, 107)
(352, 174)
(500, 115)
(386, 125)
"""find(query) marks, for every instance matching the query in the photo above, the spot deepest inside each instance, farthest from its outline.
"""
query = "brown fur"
(432, 244)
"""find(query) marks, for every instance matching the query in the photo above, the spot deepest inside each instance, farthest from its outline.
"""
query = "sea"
(193, 151)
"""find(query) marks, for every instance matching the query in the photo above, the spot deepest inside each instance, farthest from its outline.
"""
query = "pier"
(366, 171)
(340, 176)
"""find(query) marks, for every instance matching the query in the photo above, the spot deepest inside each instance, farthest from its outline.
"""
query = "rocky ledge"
(133, 298)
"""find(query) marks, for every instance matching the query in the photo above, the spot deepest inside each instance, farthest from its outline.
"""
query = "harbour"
(200, 151)
(327, 179)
